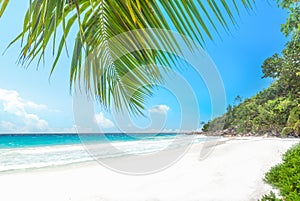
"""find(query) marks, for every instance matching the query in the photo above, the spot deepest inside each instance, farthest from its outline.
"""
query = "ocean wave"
(57, 155)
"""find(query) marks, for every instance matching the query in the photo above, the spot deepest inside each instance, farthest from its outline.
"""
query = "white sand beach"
(232, 172)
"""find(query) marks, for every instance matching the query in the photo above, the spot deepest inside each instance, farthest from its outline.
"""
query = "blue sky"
(30, 102)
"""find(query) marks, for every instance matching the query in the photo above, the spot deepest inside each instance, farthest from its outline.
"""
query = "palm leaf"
(122, 82)
(3, 5)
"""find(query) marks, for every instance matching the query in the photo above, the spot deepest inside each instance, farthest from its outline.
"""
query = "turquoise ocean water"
(28, 151)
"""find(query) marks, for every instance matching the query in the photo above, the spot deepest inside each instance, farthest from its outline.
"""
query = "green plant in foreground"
(286, 177)
(270, 197)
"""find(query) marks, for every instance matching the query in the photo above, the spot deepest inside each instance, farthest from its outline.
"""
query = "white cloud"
(102, 121)
(70, 130)
(33, 105)
(8, 126)
(33, 122)
(17, 107)
(161, 109)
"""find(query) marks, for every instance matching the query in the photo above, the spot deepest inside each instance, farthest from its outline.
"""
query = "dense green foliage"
(293, 21)
(275, 110)
(286, 177)
(270, 197)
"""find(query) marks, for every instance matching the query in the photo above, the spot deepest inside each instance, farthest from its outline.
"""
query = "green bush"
(286, 177)
(293, 123)
(270, 197)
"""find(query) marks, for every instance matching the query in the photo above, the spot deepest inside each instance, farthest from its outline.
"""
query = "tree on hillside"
(276, 109)
(285, 68)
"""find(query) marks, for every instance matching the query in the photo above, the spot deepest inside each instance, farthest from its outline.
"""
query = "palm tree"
(99, 20)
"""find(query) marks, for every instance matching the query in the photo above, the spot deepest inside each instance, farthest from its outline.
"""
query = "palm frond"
(98, 21)
(3, 5)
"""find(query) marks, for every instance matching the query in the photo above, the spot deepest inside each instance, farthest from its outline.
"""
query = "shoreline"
(230, 133)
(220, 140)
(232, 171)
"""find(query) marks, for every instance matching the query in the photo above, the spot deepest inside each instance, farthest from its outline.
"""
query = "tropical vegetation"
(275, 110)
(285, 177)
(49, 23)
